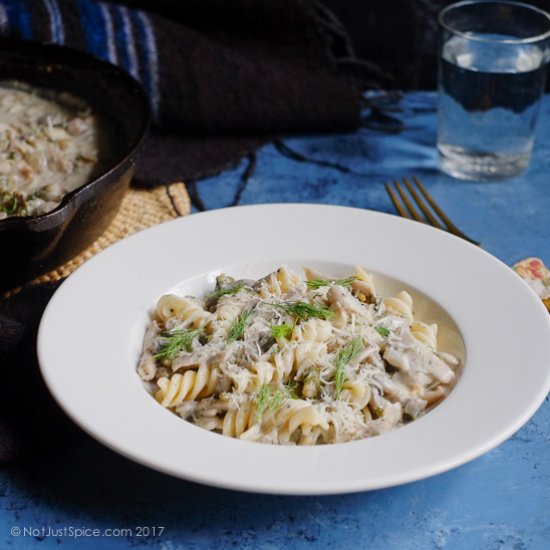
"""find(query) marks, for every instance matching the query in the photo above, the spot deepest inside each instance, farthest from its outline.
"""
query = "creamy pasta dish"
(291, 360)
(48, 147)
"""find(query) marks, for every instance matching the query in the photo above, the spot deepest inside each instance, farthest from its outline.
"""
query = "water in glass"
(489, 96)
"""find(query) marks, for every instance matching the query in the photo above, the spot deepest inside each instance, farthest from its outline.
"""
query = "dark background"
(400, 36)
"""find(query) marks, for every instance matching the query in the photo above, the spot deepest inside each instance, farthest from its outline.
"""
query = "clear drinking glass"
(492, 69)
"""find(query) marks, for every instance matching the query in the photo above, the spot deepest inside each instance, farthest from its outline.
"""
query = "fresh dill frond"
(230, 291)
(305, 311)
(315, 284)
(177, 341)
(277, 400)
(352, 349)
(269, 400)
(236, 330)
(261, 400)
(281, 331)
(383, 331)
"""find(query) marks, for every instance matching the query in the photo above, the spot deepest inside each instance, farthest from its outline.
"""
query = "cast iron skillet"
(33, 245)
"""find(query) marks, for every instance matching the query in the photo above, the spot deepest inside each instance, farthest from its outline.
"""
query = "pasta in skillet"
(289, 361)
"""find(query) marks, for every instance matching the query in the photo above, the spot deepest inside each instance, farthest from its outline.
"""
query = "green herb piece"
(261, 399)
(281, 331)
(268, 400)
(12, 204)
(11, 156)
(11, 208)
(352, 349)
(315, 284)
(277, 400)
(236, 330)
(176, 341)
(383, 331)
(305, 311)
(231, 291)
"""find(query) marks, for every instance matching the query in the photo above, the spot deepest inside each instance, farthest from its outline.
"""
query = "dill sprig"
(12, 204)
(176, 341)
(315, 284)
(277, 400)
(305, 311)
(281, 331)
(383, 331)
(352, 349)
(230, 291)
(236, 330)
(267, 400)
(261, 400)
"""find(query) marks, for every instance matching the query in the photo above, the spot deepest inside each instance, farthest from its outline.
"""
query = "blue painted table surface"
(499, 501)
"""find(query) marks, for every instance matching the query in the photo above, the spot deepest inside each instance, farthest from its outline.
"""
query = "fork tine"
(416, 216)
(413, 213)
(396, 203)
(450, 225)
(429, 216)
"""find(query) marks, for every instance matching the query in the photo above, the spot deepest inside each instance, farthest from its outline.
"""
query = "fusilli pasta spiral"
(287, 361)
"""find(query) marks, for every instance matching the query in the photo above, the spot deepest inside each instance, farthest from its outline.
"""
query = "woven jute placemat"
(139, 210)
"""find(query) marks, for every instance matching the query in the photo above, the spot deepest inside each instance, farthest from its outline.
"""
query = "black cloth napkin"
(222, 78)
(29, 418)
(256, 69)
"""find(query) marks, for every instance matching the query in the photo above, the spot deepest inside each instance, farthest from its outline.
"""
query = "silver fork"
(429, 216)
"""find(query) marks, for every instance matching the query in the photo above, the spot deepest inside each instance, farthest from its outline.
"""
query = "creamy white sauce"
(48, 147)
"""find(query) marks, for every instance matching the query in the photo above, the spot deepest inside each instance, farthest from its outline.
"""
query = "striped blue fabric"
(57, 30)
(111, 32)
(105, 10)
(146, 38)
(117, 27)
(19, 19)
(125, 39)
(93, 21)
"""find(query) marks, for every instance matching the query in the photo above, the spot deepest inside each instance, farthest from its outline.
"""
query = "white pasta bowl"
(91, 334)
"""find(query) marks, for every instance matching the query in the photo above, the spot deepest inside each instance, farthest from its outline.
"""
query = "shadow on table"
(90, 485)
